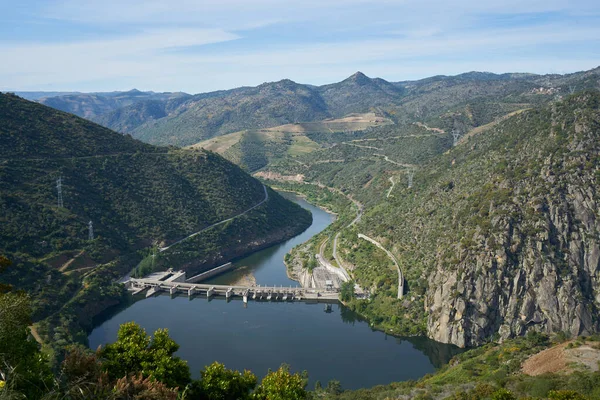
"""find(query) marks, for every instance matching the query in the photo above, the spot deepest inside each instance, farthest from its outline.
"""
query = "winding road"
(221, 222)
(391, 256)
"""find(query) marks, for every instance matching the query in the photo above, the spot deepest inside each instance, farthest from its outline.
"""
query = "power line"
(59, 190)
(456, 136)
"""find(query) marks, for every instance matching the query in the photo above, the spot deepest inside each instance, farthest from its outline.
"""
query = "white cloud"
(394, 39)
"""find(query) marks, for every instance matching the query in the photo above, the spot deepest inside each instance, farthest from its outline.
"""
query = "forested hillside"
(136, 196)
(497, 236)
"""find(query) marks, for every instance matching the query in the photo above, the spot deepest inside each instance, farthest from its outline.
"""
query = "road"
(391, 178)
(391, 256)
(68, 263)
(221, 222)
(386, 158)
(362, 146)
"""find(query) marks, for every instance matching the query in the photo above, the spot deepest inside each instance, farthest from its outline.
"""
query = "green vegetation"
(144, 367)
(483, 223)
(254, 149)
(347, 291)
(474, 208)
(491, 372)
(138, 197)
(136, 366)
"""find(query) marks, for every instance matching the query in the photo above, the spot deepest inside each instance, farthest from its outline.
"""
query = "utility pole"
(59, 190)
(456, 136)
(90, 231)
(411, 174)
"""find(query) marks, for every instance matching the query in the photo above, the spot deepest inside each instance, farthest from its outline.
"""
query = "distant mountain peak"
(358, 77)
(134, 91)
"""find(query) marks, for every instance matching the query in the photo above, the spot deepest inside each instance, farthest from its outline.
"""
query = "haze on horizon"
(69, 45)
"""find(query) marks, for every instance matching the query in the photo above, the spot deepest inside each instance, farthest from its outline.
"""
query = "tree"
(347, 291)
(135, 352)
(503, 394)
(4, 264)
(21, 362)
(334, 387)
(565, 395)
(220, 383)
(281, 385)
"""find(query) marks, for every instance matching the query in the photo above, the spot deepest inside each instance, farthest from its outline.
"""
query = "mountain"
(359, 93)
(34, 96)
(450, 102)
(135, 195)
(109, 178)
(92, 105)
(208, 115)
(498, 235)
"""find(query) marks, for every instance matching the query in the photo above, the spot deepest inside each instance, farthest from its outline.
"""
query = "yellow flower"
(2, 384)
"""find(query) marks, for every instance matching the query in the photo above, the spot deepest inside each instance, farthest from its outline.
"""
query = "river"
(329, 342)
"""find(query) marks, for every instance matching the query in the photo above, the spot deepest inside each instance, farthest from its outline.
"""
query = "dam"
(175, 282)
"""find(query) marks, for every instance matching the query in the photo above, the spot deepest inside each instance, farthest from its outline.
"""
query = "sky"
(197, 46)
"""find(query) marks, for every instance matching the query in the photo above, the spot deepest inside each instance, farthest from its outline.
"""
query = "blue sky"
(203, 45)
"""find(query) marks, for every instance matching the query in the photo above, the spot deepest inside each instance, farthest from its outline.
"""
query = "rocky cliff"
(531, 257)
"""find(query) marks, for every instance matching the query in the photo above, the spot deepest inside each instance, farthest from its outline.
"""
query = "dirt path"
(80, 269)
(36, 335)
(391, 179)
(386, 158)
(422, 125)
(362, 146)
(66, 265)
(485, 127)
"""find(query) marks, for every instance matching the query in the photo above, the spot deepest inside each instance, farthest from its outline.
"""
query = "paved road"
(221, 222)
(391, 256)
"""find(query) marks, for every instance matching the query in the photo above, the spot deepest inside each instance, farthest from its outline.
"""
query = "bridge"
(246, 293)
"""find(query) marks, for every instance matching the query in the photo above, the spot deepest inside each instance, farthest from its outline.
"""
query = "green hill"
(254, 149)
(136, 195)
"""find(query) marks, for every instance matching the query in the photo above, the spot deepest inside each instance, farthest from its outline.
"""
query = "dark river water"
(329, 342)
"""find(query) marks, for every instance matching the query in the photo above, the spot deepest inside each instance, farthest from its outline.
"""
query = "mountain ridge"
(182, 119)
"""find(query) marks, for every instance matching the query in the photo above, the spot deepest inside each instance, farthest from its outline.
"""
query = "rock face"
(537, 266)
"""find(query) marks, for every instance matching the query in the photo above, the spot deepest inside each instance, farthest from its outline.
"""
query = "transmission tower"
(59, 190)
(90, 231)
(456, 136)
(411, 175)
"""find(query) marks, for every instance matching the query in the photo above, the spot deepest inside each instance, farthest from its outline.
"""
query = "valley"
(462, 225)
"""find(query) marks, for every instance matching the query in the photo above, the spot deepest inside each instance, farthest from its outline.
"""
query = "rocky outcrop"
(537, 266)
